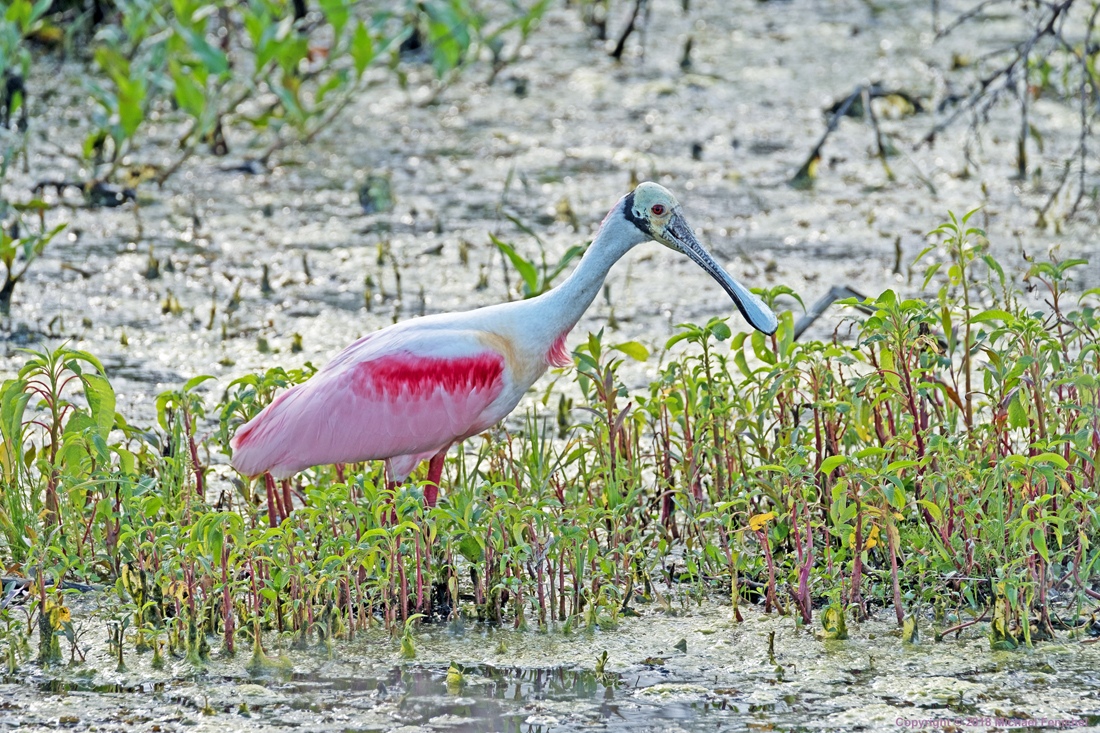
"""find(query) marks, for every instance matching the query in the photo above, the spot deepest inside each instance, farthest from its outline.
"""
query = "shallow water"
(725, 680)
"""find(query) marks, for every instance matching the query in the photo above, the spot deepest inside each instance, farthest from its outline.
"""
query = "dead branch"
(986, 95)
(617, 54)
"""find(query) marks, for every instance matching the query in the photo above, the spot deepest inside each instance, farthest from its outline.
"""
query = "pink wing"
(388, 395)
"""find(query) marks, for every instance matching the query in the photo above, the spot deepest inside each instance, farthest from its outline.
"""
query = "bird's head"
(655, 211)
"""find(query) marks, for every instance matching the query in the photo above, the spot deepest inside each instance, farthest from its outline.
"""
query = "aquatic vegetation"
(945, 458)
(277, 71)
(18, 253)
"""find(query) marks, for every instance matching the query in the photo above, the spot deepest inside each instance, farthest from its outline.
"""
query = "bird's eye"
(658, 210)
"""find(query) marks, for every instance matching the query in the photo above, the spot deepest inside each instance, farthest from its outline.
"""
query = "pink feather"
(403, 398)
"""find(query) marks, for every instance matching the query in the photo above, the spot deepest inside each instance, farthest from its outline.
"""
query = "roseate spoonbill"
(408, 392)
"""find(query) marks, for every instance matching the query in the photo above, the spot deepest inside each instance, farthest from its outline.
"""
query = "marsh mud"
(697, 671)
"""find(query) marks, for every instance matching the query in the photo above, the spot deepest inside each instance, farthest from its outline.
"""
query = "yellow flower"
(869, 541)
(757, 522)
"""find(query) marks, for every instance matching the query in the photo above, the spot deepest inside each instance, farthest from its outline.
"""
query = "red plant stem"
(770, 598)
(542, 598)
(1081, 584)
(403, 590)
(898, 610)
(962, 626)
(561, 586)
(553, 588)
(519, 593)
(804, 572)
(227, 601)
(347, 609)
(200, 482)
(419, 575)
(854, 597)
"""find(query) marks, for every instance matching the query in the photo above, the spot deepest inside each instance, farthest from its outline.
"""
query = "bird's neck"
(559, 310)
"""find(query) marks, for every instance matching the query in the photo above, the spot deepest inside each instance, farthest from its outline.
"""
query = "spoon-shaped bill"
(752, 308)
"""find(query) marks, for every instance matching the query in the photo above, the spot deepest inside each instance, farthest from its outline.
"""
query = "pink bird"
(408, 392)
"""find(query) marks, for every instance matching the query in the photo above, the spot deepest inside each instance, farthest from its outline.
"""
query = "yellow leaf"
(127, 576)
(57, 613)
(177, 589)
(757, 522)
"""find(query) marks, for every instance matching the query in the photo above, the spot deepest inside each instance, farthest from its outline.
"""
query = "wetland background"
(245, 188)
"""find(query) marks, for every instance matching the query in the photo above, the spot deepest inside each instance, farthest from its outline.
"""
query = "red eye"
(658, 210)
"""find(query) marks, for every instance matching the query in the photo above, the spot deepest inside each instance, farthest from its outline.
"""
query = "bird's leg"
(280, 509)
(435, 472)
(287, 505)
(269, 482)
(339, 473)
(391, 485)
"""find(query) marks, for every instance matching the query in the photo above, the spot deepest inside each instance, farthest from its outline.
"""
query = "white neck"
(554, 313)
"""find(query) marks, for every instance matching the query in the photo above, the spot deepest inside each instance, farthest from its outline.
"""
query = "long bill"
(752, 308)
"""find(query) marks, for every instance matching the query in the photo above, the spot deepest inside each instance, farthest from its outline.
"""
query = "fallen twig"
(960, 627)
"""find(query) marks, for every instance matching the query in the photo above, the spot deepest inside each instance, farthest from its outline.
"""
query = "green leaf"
(13, 403)
(742, 363)
(362, 49)
(189, 95)
(336, 11)
(933, 509)
(991, 315)
(677, 339)
(212, 58)
(929, 273)
(1054, 458)
(896, 497)
(196, 381)
(831, 463)
(131, 114)
(634, 350)
(1017, 413)
(570, 254)
(471, 548)
(1040, 540)
(525, 269)
(113, 63)
(720, 330)
(871, 452)
(101, 401)
(760, 348)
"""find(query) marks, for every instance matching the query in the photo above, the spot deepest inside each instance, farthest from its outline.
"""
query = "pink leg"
(287, 505)
(435, 472)
(390, 517)
(269, 482)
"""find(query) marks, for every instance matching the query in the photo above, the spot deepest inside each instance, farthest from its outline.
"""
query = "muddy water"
(722, 677)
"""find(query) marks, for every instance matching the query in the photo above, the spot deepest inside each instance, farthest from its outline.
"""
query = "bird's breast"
(522, 366)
